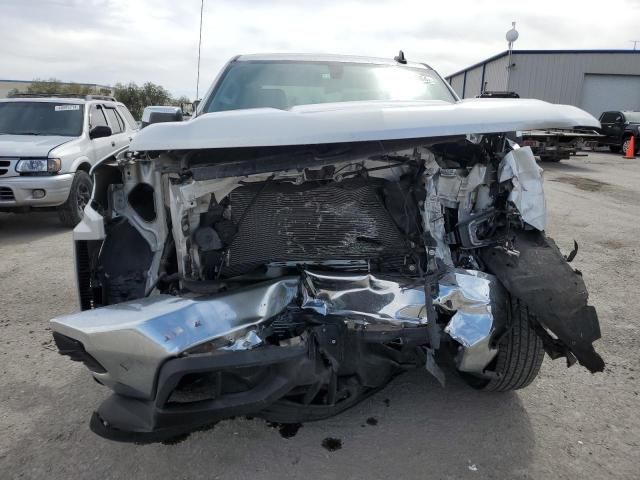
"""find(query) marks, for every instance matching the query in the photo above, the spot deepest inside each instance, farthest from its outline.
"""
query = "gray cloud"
(107, 41)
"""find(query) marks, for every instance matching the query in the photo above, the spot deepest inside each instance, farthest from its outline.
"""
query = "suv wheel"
(520, 355)
(72, 211)
(626, 144)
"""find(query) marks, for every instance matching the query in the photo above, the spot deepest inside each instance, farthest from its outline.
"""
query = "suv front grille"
(6, 194)
(4, 166)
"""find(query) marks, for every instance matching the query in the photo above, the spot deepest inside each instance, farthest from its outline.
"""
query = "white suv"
(48, 144)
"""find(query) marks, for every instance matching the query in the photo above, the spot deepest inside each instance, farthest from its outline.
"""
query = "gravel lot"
(567, 424)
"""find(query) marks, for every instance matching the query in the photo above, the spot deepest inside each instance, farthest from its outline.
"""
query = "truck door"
(618, 127)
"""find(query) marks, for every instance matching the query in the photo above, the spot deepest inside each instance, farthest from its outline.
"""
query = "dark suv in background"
(618, 127)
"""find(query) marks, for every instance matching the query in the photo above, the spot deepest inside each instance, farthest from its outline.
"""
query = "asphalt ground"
(567, 424)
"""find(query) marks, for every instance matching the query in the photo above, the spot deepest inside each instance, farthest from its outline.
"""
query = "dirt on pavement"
(567, 424)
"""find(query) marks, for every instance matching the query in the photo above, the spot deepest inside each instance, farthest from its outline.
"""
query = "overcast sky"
(109, 41)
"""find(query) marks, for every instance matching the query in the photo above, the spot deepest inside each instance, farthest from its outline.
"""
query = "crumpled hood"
(30, 145)
(358, 122)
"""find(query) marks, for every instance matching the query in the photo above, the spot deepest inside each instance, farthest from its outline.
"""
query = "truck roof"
(324, 57)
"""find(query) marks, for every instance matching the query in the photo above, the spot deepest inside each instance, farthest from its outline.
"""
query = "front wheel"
(72, 211)
(520, 355)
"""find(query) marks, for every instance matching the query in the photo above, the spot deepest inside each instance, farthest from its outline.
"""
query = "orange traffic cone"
(631, 149)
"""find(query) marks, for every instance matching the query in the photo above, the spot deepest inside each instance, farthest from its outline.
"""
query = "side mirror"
(99, 131)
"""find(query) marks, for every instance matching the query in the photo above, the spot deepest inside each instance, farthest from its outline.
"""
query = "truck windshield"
(41, 118)
(285, 84)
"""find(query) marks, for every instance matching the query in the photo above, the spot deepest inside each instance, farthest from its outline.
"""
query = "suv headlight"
(48, 165)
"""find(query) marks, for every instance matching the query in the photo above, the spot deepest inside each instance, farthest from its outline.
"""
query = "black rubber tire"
(520, 355)
(615, 148)
(72, 211)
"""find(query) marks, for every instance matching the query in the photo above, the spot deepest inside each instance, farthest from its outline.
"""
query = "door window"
(97, 117)
(115, 122)
(128, 117)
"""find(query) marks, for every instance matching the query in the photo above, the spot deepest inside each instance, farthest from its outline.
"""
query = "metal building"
(6, 86)
(594, 80)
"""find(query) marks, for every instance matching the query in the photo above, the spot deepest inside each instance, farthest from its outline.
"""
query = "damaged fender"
(541, 277)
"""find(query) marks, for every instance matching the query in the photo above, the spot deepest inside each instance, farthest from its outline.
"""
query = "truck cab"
(618, 126)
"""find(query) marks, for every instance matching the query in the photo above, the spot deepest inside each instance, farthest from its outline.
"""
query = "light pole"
(511, 36)
(199, 45)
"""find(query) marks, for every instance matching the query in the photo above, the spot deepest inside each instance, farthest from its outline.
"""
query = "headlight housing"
(39, 165)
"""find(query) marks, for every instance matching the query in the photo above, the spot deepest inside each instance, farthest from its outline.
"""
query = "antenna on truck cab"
(195, 112)
(400, 58)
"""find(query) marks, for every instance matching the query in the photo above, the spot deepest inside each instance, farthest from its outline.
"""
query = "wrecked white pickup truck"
(324, 224)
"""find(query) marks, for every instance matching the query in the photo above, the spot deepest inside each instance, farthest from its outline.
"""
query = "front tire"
(72, 211)
(520, 354)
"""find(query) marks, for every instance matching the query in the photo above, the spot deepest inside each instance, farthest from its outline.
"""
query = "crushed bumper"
(129, 419)
(151, 352)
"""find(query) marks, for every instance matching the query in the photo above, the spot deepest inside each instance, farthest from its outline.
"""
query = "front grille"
(6, 194)
(311, 223)
(4, 166)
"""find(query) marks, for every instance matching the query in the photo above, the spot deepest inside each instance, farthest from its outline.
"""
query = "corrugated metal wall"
(495, 75)
(457, 83)
(554, 77)
(474, 82)
(558, 77)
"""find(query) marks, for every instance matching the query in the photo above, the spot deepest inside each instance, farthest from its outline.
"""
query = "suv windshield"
(41, 118)
(285, 84)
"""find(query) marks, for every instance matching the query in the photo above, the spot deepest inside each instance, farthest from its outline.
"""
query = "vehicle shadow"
(565, 166)
(413, 428)
(29, 226)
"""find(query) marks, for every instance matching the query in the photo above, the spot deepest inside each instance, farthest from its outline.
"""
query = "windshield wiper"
(27, 133)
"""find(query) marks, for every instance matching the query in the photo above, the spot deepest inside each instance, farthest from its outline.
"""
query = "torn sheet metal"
(249, 340)
(364, 297)
(474, 298)
(132, 339)
(478, 300)
(528, 191)
(433, 217)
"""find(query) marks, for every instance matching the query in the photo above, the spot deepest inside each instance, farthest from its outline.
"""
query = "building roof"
(539, 52)
(62, 83)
